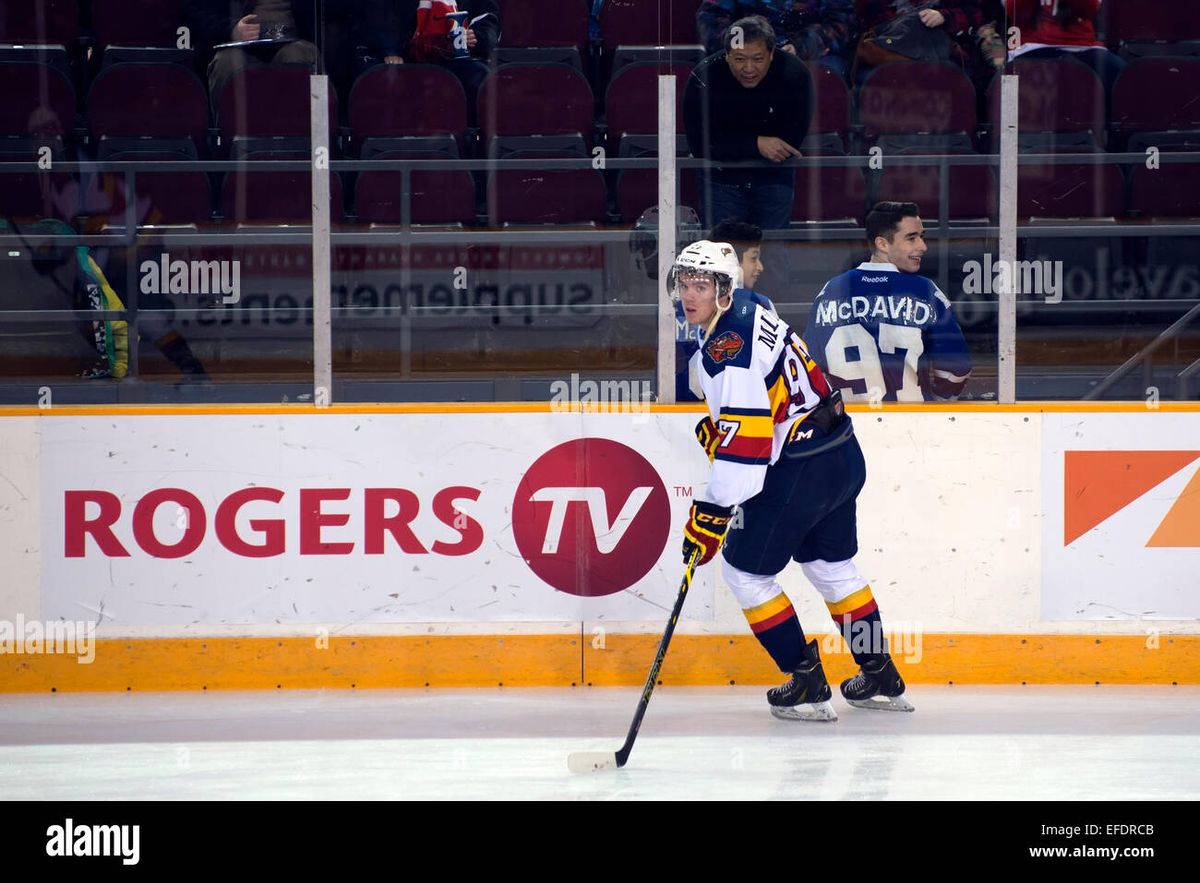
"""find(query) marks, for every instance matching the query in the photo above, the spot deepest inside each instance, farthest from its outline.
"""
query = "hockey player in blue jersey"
(880, 331)
(783, 450)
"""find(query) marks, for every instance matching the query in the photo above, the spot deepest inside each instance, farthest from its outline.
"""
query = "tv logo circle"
(591, 517)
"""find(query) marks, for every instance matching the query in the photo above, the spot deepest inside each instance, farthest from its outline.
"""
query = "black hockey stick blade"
(594, 761)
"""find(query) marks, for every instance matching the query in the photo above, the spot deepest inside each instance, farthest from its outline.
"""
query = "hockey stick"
(590, 761)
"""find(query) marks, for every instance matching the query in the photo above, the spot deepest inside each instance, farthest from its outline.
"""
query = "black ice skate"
(877, 685)
(806, 696)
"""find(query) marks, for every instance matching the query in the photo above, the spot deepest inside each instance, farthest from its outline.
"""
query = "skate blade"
(883, 703)
(812, 711)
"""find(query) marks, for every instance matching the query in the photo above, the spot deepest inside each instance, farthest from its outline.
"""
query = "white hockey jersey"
(760, 385)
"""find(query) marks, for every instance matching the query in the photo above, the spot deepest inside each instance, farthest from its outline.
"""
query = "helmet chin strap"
(721, 310)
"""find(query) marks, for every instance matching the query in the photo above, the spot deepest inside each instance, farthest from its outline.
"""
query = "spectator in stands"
(949, 29)
(992, 37)
(1058, 28)
(814, 30)
(747, 241)
(748, 103)
(396, 31)
(291, 24)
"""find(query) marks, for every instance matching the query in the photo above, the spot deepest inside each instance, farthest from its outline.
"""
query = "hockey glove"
(705, 530)
(709, 437)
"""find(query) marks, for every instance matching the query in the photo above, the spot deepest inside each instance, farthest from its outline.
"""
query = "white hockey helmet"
(716, 259)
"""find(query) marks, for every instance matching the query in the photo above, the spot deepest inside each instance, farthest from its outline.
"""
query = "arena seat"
(38, 99)
(269, 100)
(536, 196)
(407, 100)
(39, 21)
(1070, 191)
(438, 196)
(1170, 191)
(916, 98)
(137, 22)
(1157, 94)
(1056, 96)
(275, 197)
(531, 99)
(148, 99)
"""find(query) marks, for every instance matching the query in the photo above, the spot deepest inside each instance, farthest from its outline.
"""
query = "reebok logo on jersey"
(725, 346)
(874, 279)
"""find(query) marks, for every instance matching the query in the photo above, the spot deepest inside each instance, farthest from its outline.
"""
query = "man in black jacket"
(748, 103)
(291, 22)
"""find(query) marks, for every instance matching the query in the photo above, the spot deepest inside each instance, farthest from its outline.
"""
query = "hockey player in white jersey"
(784, 451)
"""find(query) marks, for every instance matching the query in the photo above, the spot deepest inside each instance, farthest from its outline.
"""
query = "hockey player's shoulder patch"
(725, 347)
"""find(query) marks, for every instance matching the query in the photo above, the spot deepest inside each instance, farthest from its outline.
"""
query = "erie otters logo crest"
(725, 346)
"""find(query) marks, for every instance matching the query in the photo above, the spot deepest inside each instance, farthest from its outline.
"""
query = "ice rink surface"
(998, 743)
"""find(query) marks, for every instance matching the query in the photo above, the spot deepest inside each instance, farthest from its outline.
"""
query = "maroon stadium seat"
(1138, 20)
(831, 107)
(1056, 95)
(1154, 94)
(637, 190)
(37, 99)
(916, 97)
(27, 195)
(537, 196)
(137, 22)
(438, 196)
(269, 100)
(39, 21)
(1170, 191)
(631, 102)
(390, 101)
(648, 23)
(162, 197)
(275, 197)
(533, 99)
(543, 23)
(1069, 191)
(832, 194)
(163, 100)
(973, 192)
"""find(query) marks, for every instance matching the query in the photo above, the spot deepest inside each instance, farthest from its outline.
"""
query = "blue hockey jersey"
(884, 335)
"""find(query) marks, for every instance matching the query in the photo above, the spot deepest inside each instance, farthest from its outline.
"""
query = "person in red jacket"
(1056, 28)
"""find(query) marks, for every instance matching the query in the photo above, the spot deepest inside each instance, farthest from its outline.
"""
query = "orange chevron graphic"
(1181, 527)
(1098, 484)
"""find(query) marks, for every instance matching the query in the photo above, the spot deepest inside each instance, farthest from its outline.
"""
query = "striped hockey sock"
(777, 628)
(857, 616)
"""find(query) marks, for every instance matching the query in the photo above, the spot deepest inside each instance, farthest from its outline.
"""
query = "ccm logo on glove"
(705, 530)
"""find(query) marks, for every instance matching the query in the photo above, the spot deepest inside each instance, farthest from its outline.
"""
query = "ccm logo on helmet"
(384, 512)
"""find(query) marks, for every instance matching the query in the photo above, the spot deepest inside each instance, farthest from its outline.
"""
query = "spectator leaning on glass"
(283, 31)
(814, 30)
(748, 103)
